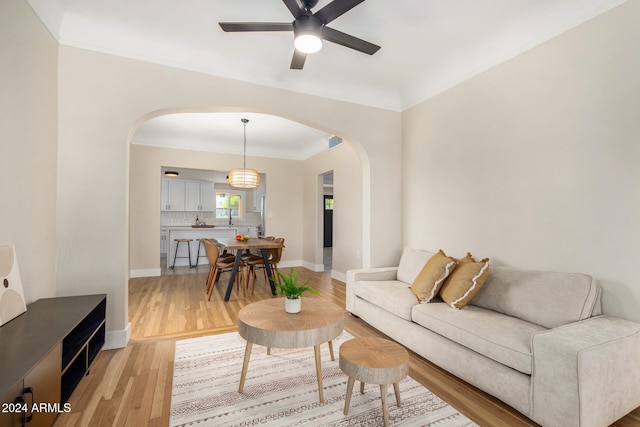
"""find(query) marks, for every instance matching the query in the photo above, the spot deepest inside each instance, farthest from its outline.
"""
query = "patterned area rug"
(282, 390)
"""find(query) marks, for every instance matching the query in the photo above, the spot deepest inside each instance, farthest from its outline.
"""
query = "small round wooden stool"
(374, 361)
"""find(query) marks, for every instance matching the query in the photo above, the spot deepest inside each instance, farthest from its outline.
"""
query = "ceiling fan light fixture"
(308, 43)
(307, 32)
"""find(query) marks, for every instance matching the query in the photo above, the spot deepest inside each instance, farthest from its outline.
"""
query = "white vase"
(292, 305)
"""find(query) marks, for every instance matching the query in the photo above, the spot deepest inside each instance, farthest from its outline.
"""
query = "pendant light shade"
(243, 177)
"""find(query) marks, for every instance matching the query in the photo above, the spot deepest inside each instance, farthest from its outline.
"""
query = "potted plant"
(292, 290)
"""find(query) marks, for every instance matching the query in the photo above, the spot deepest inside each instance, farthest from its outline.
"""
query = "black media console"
(44, 353)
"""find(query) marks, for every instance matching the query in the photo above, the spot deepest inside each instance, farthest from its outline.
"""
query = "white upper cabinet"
(207, 197)
(180, 195)
(192, 199)
(173, 195)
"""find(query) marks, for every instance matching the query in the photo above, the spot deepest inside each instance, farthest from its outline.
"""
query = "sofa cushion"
(391, 295)
(545, 298)
(411, 263)
(505, 339)
(428, 282)
(465, 282)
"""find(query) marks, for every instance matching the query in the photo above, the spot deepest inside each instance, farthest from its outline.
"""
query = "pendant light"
(244, 178)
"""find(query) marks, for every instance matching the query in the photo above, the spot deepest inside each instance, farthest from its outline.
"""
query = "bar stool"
(198, 256)
(175, 255)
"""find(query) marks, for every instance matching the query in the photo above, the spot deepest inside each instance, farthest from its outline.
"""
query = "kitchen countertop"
(193, 233)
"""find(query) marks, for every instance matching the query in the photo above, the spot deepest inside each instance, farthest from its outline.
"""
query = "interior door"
(328, 221)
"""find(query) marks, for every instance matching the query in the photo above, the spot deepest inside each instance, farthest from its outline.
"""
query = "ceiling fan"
(309, 28)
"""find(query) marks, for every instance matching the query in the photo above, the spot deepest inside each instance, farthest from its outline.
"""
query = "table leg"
(396, 388)
(385, 408)
(347, 400)
(245, 365)
(234, 271)
(331, 351)
(267, 266)
(316, 350)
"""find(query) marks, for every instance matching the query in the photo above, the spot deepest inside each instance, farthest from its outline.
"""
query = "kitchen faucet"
(230, 217)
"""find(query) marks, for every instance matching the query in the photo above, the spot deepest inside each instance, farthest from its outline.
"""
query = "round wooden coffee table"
(266, 323)
(374, 361)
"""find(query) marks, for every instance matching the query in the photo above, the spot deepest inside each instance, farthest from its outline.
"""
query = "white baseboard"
(290, 263)
(117, 339)
(339, 276)
(148, 272)
(313, 267)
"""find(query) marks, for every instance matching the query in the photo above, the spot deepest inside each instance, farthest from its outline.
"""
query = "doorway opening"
(327, 208)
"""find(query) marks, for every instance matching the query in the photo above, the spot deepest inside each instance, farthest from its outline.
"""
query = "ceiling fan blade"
(293, 7)
(336, 9)
(255, 26)
(297, 62)
(349, 41)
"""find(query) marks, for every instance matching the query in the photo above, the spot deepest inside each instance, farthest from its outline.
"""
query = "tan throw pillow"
(465, 282)
(428, 282)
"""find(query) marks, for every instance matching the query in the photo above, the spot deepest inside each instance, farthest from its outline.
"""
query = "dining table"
(241, 246)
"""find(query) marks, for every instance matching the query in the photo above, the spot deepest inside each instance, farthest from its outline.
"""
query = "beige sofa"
(535, 340)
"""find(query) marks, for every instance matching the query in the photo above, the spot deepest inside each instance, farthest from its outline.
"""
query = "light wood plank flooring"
(132, 386)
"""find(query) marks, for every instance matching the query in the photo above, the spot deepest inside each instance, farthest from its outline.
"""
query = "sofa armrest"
(586, 373)
(369, 274)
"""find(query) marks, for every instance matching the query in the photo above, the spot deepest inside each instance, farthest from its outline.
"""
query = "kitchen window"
(229, 203)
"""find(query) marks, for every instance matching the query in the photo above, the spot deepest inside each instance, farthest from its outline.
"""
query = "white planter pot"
(292, 305)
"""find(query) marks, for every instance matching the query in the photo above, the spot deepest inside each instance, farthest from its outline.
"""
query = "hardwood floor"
(132, 386)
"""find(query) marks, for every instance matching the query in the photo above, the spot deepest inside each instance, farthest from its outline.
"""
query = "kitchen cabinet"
(200, 196)
(258, 194)
(164, 236)
(173, 195)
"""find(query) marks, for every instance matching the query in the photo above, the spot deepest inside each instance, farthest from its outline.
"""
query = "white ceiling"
(267, 136)
(428, 46)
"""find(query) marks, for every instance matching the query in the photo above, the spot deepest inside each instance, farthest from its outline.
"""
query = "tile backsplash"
(189, 218)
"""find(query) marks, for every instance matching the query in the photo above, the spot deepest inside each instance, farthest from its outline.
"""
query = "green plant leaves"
(290, 288)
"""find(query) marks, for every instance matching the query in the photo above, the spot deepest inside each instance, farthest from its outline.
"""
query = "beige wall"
(103, 98)
(347, 169)
(283, 189)
(536, 163)
(533, 163)
(28, 135)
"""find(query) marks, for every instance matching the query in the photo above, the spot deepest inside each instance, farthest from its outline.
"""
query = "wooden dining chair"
(273, 262)
(248, 255)
(254, 262)
(217, 265)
